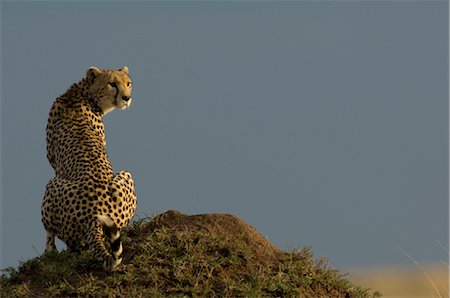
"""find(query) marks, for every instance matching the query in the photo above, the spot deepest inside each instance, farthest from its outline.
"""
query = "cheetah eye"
(114, 85)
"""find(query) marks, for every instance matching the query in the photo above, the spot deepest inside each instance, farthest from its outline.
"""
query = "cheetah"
(86, 202)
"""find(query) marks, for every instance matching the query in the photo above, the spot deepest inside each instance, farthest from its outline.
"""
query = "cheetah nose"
(126, 98)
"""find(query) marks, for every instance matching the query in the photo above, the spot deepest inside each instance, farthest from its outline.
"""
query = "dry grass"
(405, 281)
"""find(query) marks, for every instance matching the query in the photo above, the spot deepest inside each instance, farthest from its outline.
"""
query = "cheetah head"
(109, 89)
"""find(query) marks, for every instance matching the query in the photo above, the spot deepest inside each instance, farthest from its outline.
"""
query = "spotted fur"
(86, 201)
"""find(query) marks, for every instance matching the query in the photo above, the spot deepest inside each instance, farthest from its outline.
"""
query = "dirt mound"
(227, 227)
(176, 255)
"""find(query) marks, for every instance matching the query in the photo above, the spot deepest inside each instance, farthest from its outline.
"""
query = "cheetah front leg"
(50, 243)
(47, 212)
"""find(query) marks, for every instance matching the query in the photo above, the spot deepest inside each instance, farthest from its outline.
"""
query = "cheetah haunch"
(86, 200)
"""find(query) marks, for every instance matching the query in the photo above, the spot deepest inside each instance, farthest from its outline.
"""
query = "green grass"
(179, 262)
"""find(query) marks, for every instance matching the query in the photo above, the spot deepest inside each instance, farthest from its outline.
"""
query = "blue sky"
(321, 124)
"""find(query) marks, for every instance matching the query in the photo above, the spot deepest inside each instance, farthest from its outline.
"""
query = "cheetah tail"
(113, 234)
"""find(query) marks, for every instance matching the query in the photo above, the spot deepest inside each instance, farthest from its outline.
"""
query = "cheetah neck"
(80, 90)
(95, 108)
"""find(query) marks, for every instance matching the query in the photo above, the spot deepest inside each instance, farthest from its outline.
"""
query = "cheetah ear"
(124, 69)
(92, 73)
